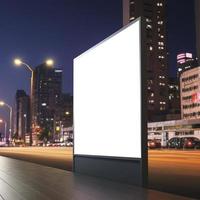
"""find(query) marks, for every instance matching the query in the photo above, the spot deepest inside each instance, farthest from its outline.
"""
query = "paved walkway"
(21, 180)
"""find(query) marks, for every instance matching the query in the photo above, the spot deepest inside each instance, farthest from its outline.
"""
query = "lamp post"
(19, 62)
(5, 128)
(2, 103)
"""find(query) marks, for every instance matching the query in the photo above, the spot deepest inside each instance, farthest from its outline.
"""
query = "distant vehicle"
(49, 144)
(153, 144)
(184, 142)
(69, 144)
(3, 144)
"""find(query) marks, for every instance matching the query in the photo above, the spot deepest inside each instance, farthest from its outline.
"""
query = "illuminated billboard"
(107, 97)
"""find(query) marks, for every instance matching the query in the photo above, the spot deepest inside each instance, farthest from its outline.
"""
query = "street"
(59, 157)
(175, 171)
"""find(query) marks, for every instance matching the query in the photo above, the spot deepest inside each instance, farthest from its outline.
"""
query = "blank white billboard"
(107, 97)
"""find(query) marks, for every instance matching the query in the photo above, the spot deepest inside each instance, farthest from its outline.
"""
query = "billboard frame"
(106, 165)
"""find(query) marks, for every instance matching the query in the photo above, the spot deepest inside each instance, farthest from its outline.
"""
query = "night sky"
(62, 29)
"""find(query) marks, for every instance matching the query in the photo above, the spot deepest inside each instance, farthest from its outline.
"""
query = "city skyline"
(64, 30)
(84, 90)
(53, 35)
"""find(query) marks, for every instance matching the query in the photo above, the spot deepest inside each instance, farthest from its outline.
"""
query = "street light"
(5, 128)
(2, 103)
(19, 62)
(49, 62)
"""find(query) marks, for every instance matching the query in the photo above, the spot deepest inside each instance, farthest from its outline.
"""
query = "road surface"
(174, 171)
(59, 157)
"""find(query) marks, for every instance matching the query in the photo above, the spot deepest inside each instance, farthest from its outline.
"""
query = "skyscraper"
(47, 90)
(22, 116)
(153, 12)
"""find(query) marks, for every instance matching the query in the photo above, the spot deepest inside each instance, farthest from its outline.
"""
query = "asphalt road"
(59, 157)
(175, 171)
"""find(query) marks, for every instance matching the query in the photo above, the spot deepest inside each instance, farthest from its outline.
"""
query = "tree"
(44, 135)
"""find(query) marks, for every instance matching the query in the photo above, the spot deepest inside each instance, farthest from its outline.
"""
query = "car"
(184, 142)
(154, 143)
(3, 144)
(69, 144)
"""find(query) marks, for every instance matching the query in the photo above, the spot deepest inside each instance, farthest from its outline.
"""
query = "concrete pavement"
(174, 171)
(20, 180)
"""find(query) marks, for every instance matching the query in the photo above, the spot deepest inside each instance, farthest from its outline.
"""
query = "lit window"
(162, 108)
(149, 26)
(150, 48)
(161, 43)
(159, 4)
(151, 101)
(148, 20)
(162, 84)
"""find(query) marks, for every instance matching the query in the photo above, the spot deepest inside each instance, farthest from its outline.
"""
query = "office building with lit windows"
(22, 116)
(47, 91)
(157, 59)
(190, 94)
(174, 100)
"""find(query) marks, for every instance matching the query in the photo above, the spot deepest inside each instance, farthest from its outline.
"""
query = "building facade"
(22, 116)
(190, 94)
(47, 91)
(166, 130)
(157, 60)
(64, 116)
(174, 100)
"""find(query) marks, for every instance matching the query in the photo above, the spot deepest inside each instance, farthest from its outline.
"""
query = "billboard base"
(116, 169)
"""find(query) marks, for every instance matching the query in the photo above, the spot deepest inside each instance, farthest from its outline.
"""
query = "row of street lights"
(19, 62)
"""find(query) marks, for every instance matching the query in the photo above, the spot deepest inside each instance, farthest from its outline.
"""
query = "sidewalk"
(20, 180)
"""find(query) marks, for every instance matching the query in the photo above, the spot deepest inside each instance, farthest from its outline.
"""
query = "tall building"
(190, 94)
(64, 116)
(47, 90)
(197, 21)
(22, 114)
(157, 60)
(174, 100)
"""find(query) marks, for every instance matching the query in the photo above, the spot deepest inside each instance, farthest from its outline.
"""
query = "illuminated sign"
(58, 70)
(196, 97)
(183, 57)
(107, 97)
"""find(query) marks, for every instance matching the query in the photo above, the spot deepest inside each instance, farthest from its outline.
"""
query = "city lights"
(49, 62)
(17, 62)
(2, 103)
